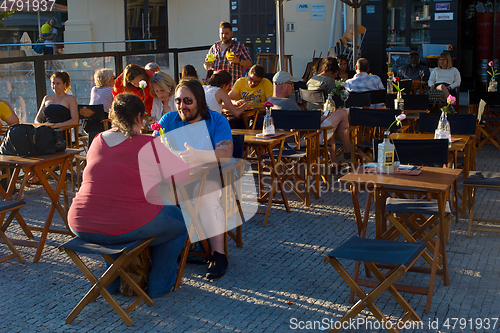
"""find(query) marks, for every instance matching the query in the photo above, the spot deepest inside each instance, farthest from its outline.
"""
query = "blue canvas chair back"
(238, 145)
(373, 117)
(491, 99)
(416, 102)
(358, 99)
(427, 122)
(422, 152)
(378, 96)
(462, 124)
(312, 96)
(297, 120)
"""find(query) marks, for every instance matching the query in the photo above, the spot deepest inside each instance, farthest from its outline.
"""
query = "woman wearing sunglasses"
(118, 201)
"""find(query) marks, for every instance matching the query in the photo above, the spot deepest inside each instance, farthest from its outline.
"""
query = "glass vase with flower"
(443, 130)
(492, 86)
(399, 102)
(385, 157)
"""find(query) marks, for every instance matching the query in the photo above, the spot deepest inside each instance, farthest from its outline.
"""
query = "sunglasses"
(185, 100)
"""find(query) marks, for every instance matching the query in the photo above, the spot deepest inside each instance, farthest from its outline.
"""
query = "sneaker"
(217, 267)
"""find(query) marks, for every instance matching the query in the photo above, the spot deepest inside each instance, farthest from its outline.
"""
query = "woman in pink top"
(119, 199)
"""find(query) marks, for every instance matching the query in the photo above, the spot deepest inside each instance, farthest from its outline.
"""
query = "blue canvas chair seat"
(13, 207)
(127, 253)
(484, 179)
(373, 252)
(411, 205)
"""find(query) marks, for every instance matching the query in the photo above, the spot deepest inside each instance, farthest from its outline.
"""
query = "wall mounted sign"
(303, 7)
(370, 9)
(443, 16)
(442, 6)
(317, 16)
(319, 7)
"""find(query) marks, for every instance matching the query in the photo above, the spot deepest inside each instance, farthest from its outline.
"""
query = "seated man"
(362, 81)
(413, 69)
(254, 90)
(282, 90)
(283, 87)
(201, 136)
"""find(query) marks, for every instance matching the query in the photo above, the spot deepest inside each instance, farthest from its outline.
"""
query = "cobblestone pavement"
(276, 282)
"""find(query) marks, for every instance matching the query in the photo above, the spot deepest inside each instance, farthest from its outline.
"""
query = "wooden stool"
(288, 63)
(401, 254)
(128, 252)
(269, 59)
(484, 179)
(13, 207)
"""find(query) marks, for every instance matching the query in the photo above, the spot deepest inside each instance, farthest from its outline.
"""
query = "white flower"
(143, 84)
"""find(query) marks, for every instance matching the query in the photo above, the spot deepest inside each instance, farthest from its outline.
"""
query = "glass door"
(420, 24)
(146, 19)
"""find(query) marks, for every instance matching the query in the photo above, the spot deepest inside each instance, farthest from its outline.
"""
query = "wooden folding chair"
(373, 252)
(481, 179)
(302, 170)
(488, 127)
(13, 207)
(128, 252)
(366, 125)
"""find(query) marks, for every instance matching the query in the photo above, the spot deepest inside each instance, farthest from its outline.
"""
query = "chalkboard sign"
(398, 60)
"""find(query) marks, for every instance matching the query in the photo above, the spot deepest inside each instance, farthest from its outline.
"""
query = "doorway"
(146, 19)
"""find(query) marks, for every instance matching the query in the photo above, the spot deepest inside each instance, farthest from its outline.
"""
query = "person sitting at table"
(60, 109)
(189, 71)
(283, 85)
(112, 205)
(445, 77)
(216, 94)
(254, 89)
(363, 82)
(413, 68)
(101, 93)
(7, 114)
(129, 80)
(328, 69)
(153, 67)
(162, 89)
(187, 131)
(344, 72)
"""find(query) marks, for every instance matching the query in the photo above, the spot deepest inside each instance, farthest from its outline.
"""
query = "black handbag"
(26, 140)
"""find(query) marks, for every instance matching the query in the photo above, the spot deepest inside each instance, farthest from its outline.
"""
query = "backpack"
(40, 47)
(26, 140)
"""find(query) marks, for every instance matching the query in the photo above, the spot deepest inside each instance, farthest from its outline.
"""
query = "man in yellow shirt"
(7, 114)
(254, 89)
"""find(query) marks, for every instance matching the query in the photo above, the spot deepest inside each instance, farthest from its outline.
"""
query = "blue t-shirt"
(202, 135)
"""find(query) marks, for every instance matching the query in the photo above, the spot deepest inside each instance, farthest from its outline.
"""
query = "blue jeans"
(170, 231)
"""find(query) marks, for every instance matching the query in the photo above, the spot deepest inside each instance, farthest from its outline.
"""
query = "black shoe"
(217, 267)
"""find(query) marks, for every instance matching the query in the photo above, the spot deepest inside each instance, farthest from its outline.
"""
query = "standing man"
(413, 69)
(229, 55)
(200, 136)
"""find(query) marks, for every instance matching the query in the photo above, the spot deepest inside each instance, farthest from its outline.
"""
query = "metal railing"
(103, 43)
(28, 75)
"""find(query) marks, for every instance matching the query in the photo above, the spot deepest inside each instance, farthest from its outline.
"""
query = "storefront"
(470, 29)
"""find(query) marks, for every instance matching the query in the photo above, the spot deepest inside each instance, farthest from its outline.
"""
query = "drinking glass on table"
(345, 97)
(421, 74)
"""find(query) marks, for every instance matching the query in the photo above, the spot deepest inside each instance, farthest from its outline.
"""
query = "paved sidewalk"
(276, 283)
